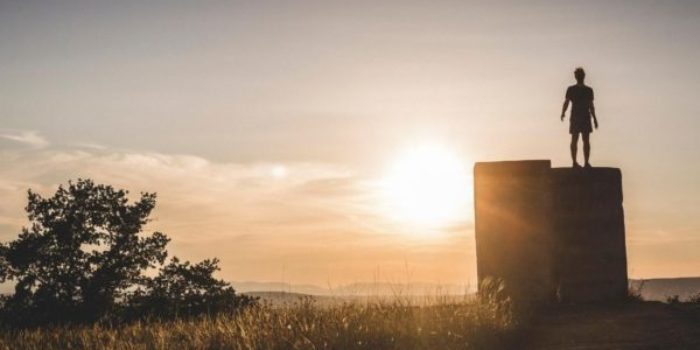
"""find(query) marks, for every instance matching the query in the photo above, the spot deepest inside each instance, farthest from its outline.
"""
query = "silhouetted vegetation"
(634, 292)
(184, 290)
(83, 258)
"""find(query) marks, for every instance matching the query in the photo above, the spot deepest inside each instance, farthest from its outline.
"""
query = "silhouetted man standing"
(582, 110)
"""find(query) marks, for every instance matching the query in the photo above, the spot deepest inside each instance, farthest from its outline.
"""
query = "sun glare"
(279, 171)
(426, 185)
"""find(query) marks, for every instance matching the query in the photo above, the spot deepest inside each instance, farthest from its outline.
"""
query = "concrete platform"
(551, 234)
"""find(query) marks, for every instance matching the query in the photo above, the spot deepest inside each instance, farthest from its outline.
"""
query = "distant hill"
(354, 289)
(282, 298)
(660, 289)
(655, 289)
(255, 286)
(398, 289)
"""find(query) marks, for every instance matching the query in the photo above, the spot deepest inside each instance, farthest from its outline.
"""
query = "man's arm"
(564, 107)
(595, 119)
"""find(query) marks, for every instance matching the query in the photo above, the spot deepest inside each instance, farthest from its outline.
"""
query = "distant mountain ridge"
(355, 289)
(273, 286)
(660, 289)
(656, 289)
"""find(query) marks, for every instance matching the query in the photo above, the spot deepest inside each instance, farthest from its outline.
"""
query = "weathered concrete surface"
(589, 229)
(513, 240)
(551, 233)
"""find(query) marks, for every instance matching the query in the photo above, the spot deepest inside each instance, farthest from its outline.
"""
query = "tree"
(81, 251)
(84, 254)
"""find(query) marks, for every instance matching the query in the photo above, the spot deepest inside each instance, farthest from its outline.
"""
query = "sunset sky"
(281, 135)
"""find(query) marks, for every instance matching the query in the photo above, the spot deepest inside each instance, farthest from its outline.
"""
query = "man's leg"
(574, 150)
(586, 147)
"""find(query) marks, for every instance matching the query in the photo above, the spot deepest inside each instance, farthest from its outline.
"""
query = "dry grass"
(438, 323)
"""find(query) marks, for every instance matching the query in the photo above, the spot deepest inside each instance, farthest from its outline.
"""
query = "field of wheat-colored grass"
(400, 323)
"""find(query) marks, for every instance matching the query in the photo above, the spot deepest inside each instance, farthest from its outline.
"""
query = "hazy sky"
(266, 126)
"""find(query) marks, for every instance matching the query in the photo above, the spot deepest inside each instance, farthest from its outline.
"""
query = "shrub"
(185, 290)
(634, 291)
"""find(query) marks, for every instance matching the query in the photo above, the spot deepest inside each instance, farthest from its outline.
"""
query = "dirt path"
(649, 325)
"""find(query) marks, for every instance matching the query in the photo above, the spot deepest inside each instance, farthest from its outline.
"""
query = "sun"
(426, 185)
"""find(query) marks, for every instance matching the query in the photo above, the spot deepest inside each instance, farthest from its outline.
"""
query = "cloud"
(193, 191)
(341, 186)
(28, 137)
(89, 145)
(199, 201)
(317, 218)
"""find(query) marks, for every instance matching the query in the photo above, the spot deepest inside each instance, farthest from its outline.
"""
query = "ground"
(647, 325)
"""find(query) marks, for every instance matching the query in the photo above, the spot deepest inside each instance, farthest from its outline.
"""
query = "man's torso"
(581, 97)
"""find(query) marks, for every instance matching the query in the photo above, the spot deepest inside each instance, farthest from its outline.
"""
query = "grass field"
(401, 323)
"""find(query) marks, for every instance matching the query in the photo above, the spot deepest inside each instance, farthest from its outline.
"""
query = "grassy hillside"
(438, 323)
(399, 324)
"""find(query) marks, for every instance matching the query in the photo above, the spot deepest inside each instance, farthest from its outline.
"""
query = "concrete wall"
(513, 240)
(551, 233)
(589, 228)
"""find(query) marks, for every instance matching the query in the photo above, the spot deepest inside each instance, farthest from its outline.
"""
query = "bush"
(634, 291)
(185, 290)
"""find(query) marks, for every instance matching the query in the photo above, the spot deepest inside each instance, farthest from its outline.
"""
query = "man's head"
(579, 74)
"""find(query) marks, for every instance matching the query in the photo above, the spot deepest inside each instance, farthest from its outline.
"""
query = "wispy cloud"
(28, 137)
(89, 145)
(315, 218)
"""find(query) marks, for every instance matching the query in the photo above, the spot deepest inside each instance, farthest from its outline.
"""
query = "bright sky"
(270, 129)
